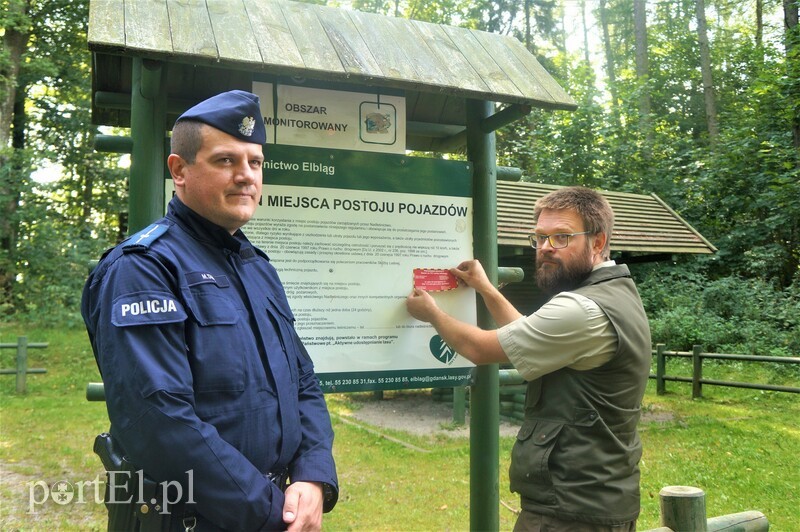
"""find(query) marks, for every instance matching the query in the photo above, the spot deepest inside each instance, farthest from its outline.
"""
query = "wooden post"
(751, 521)
(459, 405)
(683, 508)
(697, 372)
(148, 152)
(22, 363)
(95, 391)
(484, 412)
(661, 368)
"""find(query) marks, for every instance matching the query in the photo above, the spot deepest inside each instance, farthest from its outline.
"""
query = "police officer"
(207, 383)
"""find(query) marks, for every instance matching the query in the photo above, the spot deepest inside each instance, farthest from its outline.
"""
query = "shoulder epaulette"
(144, 238)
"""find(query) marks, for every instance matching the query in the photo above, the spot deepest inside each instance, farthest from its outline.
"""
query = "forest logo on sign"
(443, 352)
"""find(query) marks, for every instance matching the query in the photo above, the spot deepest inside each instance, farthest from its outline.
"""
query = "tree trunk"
(585, 33)
(792, 43)
(14, 43)
(759, 23)
(528, 25)
(709, 95)
(642, 68)
(12, 137)
(610, 68)
(86, 169)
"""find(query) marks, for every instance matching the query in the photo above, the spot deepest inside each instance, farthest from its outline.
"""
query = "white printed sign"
(302, 116)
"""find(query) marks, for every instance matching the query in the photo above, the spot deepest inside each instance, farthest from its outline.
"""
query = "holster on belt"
(132, 498)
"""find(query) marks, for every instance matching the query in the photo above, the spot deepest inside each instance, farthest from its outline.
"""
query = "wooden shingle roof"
(436, 66)
(643, 224)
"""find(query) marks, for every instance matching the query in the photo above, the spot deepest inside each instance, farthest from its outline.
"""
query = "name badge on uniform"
(146, 308)
(195, 278)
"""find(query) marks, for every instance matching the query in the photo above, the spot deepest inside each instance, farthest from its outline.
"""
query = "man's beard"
(559, 277)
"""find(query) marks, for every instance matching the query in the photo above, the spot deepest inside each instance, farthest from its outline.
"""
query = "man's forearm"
(471, 342)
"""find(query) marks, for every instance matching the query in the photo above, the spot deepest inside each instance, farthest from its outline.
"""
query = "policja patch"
(146, 308)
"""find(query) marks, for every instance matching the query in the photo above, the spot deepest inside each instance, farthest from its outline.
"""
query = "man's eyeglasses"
(557, 240)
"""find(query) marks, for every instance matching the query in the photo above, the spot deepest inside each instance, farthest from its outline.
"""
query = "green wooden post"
(661, 368)
(148, 128)
(113, 144)
(484, 395)
(697, 372)
(22, 363)
(459, 405)
(683, 508)
(750, 521)
(95, 391)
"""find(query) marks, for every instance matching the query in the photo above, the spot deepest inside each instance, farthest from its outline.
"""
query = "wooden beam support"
(510, 114)
(509, 173)
(450, 144)
(121, 101)
(113, 144)
(428, 129)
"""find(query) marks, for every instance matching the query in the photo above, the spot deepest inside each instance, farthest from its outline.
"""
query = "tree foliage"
(50, 230)
(740, 191)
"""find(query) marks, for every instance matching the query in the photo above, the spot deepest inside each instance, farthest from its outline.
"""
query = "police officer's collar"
(207, 231)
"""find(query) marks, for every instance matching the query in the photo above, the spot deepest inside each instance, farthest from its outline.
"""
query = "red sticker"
(434, 280)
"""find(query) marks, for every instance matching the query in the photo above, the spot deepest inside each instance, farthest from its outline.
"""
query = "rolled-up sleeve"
(570, 330)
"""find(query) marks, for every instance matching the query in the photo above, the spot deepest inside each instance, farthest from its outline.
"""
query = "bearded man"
(586, 356)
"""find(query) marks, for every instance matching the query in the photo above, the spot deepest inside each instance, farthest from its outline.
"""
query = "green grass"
(47, 434)
(740, 446)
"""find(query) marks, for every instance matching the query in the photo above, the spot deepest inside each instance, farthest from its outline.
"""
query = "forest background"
(697, 101)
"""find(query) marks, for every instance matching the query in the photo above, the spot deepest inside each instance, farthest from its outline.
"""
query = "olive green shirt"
(570, 330)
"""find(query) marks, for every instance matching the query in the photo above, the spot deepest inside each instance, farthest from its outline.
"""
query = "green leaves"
(48, 232)
(732, 314)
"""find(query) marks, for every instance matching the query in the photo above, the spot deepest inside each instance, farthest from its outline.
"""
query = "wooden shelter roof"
(643, 224)
(436, 66)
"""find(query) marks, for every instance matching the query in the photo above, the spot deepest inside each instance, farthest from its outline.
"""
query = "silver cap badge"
(247, 126)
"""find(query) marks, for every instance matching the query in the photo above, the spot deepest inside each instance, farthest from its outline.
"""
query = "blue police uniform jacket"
(203, 369)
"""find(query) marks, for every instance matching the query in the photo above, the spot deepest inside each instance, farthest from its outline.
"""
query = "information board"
(346, 230)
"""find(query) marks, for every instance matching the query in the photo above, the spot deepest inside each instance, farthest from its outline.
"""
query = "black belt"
(279, 478)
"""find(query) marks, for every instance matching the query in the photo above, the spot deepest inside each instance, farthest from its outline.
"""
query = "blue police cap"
(235, 112)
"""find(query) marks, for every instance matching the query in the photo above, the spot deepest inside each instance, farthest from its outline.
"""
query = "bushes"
(53, 268)
(726, 315)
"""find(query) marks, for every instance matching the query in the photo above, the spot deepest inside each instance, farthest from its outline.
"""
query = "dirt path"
(416, 414)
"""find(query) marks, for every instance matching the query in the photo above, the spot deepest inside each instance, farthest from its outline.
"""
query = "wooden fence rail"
(512, 385)
(22, 369)
(697, 355)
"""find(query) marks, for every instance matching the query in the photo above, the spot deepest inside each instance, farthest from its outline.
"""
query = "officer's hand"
(421, 305)
(471, 272)
(302, 508)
